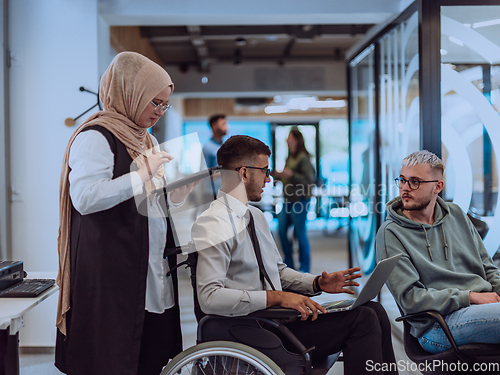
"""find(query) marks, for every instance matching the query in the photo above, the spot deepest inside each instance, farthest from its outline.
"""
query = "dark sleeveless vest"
(109, 262)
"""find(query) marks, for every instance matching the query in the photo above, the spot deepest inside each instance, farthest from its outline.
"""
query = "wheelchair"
(257, 344)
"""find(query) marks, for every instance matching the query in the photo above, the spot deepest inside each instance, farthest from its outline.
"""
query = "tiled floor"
(328, 253)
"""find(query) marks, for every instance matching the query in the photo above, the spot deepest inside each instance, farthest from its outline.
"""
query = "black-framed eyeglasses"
(413, 183)
(263, 169)
(160, 107)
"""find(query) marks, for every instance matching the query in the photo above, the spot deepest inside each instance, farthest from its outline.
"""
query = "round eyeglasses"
(160, 107)
(413, 183)
(263, 169)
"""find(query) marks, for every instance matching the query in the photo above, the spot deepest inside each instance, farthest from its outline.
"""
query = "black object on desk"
(13, 284)
(12, 311)
(27, 288)
(11, 273)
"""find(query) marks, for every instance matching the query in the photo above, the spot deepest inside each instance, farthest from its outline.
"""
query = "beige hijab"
(127, 87)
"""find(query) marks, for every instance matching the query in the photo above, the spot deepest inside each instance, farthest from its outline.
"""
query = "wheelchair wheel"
(221, 358)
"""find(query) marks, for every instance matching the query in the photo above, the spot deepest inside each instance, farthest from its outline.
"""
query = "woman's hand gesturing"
(152, 163)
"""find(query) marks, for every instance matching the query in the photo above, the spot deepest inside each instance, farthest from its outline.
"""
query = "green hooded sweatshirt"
(441, 263)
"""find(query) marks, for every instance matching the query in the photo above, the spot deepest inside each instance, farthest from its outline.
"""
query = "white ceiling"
(306, 40)
(255, 12)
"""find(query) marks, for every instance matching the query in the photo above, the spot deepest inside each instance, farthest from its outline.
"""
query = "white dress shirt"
(228, 278)
(93, 189)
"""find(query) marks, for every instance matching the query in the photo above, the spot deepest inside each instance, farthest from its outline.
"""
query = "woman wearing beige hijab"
(118, 311)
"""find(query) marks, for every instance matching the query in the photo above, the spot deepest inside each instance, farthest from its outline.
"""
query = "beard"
(255, 196)
(254, 190)
(419, 205)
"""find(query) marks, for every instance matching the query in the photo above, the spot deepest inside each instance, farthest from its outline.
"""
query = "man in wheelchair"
(445, 266)
(240, 270)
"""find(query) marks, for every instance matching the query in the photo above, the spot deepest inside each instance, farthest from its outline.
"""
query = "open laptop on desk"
(13, 284)
(372, 288)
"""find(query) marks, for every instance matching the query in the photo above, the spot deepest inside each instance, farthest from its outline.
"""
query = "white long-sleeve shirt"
(228, 278)
(93, 189)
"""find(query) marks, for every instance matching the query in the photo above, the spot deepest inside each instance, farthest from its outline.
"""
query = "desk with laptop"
(18, 295)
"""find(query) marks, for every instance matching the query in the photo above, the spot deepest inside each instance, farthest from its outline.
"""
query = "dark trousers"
(156, 343)
(362, 334)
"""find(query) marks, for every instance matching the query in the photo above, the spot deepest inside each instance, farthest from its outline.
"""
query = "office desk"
(12, 311)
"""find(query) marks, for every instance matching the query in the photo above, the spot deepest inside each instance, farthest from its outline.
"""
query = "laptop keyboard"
(338, 304)
(27, 288)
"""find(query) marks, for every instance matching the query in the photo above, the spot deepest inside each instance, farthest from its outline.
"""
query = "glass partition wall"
(399, 103)
(430, 79)
(363, 159)
(384, 127)
(470, 122)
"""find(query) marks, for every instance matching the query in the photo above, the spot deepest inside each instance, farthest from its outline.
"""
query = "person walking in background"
(297, 177)
(219, 126)
(209, 186)
(118, 310)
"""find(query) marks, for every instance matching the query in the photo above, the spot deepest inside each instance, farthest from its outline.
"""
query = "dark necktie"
(258, 255)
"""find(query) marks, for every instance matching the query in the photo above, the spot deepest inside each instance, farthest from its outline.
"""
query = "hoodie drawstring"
(428, 244)
(445, 244)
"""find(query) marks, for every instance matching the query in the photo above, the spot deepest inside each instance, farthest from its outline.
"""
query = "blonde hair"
(424, 157)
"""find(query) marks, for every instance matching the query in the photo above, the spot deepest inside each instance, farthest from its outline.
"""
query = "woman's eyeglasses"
(160, 107)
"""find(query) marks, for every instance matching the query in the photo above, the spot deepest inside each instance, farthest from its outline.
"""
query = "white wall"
(4, 134)
(54, 43)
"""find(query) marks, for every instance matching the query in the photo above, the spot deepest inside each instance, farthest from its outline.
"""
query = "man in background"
(219, 126)
(209, 187)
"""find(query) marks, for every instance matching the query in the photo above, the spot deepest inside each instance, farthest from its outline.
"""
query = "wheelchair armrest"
(442, 323)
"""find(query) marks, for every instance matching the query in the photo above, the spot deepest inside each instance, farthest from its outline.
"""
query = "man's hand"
(336, 282)
(482, 298)
(304, 305)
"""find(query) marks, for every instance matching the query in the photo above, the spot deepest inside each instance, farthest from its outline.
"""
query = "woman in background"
(298, 178)
(118, 310)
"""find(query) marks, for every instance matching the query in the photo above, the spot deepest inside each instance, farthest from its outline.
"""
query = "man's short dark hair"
(213, 119)
(239, 150)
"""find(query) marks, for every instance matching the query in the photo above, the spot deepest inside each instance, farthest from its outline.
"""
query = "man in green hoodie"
(445, 266)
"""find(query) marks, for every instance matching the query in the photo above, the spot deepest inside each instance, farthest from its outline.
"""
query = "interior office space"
(426, 80)
(388, 70)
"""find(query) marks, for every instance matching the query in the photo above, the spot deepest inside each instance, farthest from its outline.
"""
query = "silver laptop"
(371, 289)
